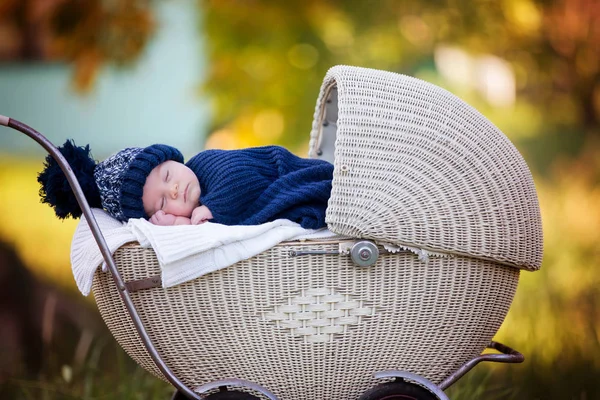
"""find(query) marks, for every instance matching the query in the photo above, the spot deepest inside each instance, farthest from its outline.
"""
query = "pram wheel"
(398, 390)
(178, 396)
(225, 394)
(222, 395)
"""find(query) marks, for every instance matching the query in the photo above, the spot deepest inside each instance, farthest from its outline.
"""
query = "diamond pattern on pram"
(319, 315)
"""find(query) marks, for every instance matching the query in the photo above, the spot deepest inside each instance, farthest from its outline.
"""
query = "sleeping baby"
(231, 187)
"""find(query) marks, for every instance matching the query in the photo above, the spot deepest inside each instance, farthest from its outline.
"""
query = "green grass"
(107, 374)
(110, 374)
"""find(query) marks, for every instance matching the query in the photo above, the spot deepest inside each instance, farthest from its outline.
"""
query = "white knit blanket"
(184, 252)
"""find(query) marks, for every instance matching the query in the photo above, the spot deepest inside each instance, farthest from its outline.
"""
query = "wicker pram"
(416, 169)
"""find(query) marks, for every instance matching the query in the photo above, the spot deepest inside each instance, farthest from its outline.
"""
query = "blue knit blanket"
(257, 185)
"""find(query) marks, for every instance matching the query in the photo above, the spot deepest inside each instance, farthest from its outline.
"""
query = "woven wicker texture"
(417, 166)
(312, 327)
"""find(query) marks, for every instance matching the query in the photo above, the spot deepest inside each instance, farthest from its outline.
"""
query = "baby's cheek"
(180, 210)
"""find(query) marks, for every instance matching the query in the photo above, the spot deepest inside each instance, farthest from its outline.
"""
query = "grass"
(107, 374)
(110, 374)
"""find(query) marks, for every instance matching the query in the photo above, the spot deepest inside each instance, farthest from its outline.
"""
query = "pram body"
(438, 214)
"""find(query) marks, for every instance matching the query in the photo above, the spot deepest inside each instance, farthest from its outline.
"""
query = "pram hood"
(416, 166)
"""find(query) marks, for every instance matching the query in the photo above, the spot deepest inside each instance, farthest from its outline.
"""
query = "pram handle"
(508, 355)
(106, 254)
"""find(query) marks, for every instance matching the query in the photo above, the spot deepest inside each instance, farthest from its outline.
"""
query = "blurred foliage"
(89, 34)
(94, 32)
(108, 373)
(267, 61)
(42, 240)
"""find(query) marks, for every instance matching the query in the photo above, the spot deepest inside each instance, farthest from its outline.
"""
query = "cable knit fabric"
(257, 185)
(139, 168)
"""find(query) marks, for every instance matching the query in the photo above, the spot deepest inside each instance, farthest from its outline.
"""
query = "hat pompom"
(55, 189)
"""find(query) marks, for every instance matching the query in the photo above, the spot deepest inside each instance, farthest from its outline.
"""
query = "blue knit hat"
(115, 184)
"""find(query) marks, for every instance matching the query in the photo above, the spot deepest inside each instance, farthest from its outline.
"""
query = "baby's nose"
(175, 191)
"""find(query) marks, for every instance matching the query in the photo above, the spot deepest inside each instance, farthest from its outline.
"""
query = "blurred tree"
(94, 32)
(88, 33)
(267, 60)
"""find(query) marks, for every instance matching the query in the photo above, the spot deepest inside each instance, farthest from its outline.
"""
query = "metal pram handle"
(106, 254)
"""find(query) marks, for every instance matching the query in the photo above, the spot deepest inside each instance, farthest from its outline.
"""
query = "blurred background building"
(237, 73)
(147, 94)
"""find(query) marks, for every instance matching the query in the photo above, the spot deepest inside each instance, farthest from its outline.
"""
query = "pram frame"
(106, 254)
(508, 355)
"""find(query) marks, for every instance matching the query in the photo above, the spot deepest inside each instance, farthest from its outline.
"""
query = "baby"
(232, 187)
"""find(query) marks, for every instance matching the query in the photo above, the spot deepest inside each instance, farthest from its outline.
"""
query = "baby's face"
(173, 188)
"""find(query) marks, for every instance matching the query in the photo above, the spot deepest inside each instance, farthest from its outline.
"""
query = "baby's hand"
(161, 218)
(200, 215)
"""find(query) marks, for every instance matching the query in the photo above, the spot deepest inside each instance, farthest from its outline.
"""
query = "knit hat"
(115, 184)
